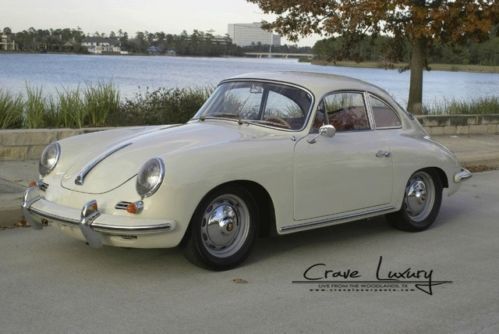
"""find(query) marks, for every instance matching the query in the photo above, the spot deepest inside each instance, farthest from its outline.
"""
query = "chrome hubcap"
(419, 196)
(225, 225)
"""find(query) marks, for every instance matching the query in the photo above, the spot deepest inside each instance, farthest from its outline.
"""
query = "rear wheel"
(422, 199)
(223, 229)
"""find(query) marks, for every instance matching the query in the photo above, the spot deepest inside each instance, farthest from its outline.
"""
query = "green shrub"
(99, 102)
(11, 110)
(484, 105)
(35, 115)
(71, 111)
(161, 106)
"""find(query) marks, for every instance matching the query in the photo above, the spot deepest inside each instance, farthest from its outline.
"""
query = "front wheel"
(422, 199)
(223, 229)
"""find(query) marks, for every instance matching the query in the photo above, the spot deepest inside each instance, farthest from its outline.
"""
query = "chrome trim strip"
(88, 167)
(55, 217)
(164, 226)
(370, 114)
(336, 218)
(105, 227)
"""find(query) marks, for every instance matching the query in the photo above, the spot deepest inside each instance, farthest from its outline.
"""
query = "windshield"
(271, 104)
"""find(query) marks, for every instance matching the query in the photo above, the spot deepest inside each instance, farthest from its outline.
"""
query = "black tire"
(226, 213)
(408, 219)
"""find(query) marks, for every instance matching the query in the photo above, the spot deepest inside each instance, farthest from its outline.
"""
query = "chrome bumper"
(91, 222)
(463, 175)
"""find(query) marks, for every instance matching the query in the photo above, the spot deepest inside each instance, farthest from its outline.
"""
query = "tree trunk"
(415, 104)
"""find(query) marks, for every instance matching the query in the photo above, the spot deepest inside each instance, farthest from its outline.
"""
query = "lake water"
(134, 73)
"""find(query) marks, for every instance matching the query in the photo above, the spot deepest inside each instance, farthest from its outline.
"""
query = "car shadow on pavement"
(330, 239)
(352, 232)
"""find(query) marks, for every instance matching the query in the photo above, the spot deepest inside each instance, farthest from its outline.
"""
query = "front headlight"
(49, 158)
(150, 177)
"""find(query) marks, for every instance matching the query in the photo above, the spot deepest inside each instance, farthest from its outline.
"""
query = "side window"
(384, 115)
(346, 111)
(283, 108)
(243, 100)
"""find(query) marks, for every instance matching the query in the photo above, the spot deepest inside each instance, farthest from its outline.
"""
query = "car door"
(348, 173)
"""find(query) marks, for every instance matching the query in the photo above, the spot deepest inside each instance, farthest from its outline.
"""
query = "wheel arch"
(438, 172)
(264, 202)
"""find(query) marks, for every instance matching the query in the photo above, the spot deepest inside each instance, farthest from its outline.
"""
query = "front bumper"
(89, 223)
(463, 175)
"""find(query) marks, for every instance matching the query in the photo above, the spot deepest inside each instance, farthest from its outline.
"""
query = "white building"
(6, 44)
(99, 45)
(245, 34)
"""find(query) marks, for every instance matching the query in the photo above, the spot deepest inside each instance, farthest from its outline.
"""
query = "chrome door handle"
(383, 154)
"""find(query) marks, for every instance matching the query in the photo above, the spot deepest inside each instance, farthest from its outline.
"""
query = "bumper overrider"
(463, 175)
(96, 227)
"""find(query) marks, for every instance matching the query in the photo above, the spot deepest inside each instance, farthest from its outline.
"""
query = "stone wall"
(28, 144)
(460, 124)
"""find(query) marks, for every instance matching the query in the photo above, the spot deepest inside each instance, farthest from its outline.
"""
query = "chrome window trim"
(369, 110)
(305, 122)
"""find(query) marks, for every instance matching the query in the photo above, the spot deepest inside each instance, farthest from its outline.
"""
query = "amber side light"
(32, 184)
(135, 208)
(132, 208)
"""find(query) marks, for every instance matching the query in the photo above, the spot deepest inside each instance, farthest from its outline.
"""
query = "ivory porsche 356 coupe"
(267, 153)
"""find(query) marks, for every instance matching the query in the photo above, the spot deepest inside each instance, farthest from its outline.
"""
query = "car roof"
(317, 83)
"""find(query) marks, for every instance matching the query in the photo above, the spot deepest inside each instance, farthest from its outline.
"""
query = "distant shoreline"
(434, 67)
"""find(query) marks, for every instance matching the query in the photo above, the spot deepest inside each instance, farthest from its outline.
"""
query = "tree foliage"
(69, 40)
(386, 51)
(420, 22)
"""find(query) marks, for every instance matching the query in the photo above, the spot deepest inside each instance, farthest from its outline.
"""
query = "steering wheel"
(280, 121)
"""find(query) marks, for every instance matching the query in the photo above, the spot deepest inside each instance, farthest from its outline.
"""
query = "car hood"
(113, 161)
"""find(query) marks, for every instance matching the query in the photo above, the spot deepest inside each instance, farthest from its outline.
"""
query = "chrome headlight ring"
(49, 159)
(150, 177)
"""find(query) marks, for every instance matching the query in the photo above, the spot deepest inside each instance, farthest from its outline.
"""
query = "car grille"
(43, 186)
(123, 205)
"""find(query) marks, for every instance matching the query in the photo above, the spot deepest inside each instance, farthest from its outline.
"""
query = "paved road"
(52, 284)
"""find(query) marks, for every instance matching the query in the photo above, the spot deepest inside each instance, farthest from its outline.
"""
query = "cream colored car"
(267, 153)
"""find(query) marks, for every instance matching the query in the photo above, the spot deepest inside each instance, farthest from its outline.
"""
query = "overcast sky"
(130, 15)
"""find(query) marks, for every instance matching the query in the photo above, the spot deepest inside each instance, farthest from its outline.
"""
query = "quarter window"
(384, 115)
(346, 111)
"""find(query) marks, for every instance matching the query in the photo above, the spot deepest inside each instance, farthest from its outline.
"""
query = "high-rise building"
(244, 34)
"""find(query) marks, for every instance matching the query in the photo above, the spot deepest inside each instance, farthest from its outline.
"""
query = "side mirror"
(326, 130)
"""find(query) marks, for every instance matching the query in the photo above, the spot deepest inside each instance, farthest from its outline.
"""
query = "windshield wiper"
(230, 117)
